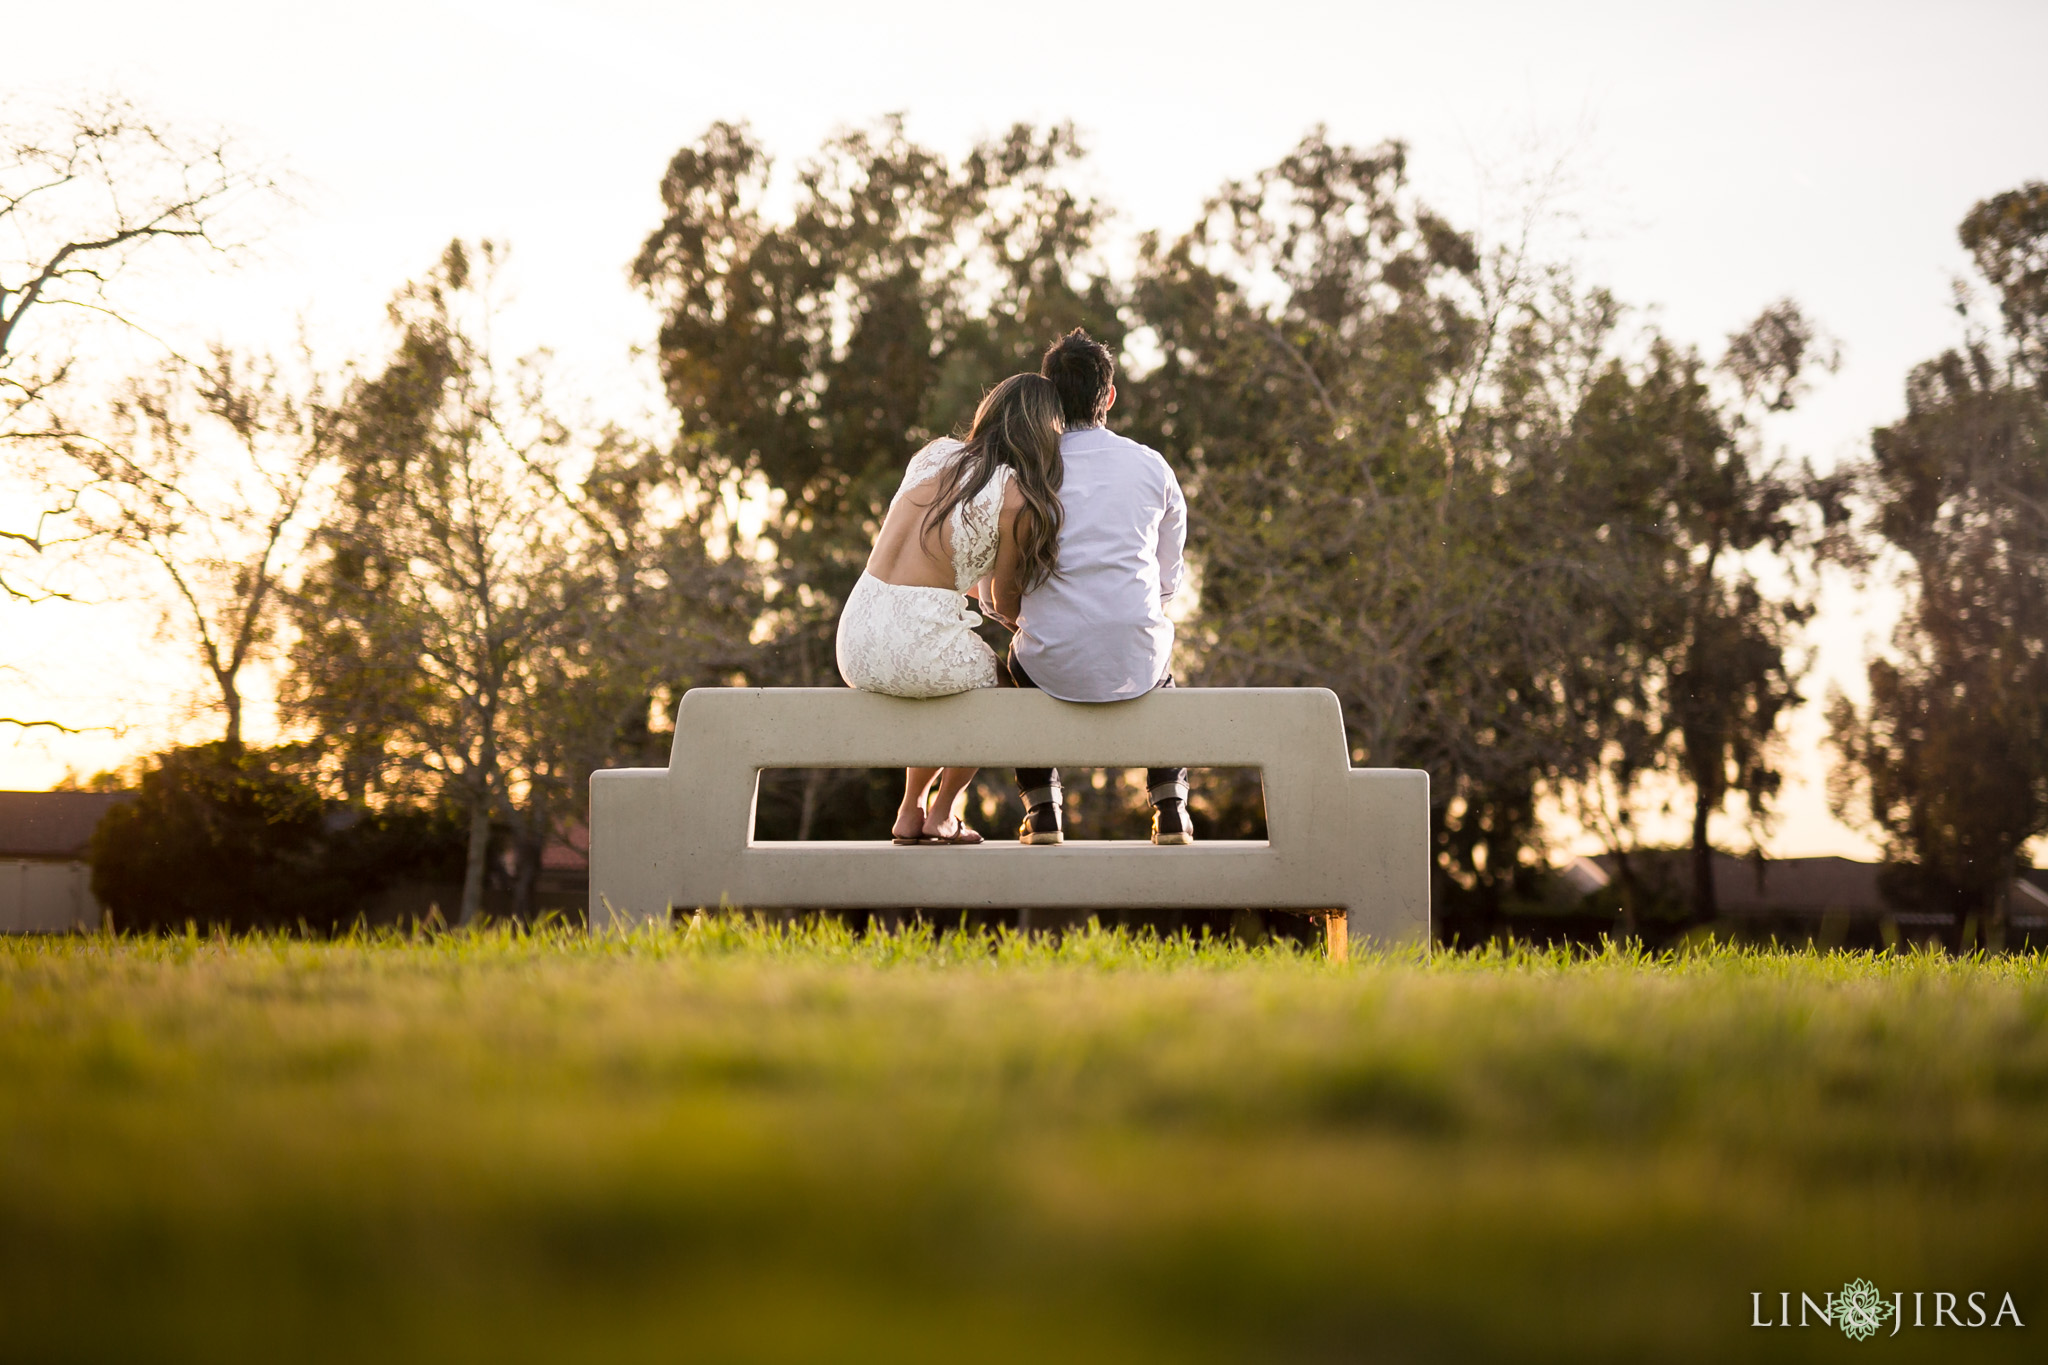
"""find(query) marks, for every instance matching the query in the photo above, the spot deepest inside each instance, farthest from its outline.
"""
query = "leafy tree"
(2007, 237)
(1312, 331)
(1949, 761)
(1424, 476)
(492, 606)
(1678, 494)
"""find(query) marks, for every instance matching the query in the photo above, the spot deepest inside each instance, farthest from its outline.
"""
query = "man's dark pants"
(1040, 786)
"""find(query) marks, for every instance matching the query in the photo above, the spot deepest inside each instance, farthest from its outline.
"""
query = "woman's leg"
(939, 818)
(910, 815)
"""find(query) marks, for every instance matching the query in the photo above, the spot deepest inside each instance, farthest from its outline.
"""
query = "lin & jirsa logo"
(1861, 1311)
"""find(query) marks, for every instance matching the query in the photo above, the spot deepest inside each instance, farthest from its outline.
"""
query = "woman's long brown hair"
(1018, 426)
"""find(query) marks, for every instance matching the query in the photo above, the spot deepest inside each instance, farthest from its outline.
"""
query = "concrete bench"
(1348, 843)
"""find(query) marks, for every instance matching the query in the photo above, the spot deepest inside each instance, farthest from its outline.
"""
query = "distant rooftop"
(1803, 886)
(1748, 885)
(569, 852)
(52, 824)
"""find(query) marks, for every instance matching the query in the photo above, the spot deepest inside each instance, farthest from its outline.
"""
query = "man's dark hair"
(1082, 369)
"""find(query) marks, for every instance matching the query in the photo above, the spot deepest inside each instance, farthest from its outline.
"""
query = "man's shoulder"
(1109, 442)
(1123, 442)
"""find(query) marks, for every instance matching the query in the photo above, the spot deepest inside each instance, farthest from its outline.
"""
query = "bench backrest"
(1340, 838)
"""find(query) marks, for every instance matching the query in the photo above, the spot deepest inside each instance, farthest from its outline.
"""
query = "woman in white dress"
(974, 518)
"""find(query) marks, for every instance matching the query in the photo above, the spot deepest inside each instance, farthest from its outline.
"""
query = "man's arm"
(1173, 537)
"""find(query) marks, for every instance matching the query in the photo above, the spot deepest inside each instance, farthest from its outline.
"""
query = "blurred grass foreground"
(741, 1141)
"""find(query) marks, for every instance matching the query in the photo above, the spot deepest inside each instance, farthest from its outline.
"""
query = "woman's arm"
(1005, 593)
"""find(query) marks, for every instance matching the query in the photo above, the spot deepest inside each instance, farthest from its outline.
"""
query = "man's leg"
(1168, 788)
(1039, 787)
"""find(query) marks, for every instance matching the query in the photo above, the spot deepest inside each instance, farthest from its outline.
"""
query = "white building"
(45, 879)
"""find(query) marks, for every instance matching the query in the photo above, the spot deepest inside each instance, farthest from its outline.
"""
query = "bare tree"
(208, 474)
(82, 195)
(86, 191)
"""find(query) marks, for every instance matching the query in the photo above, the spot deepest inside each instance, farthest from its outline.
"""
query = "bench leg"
(1337, 936)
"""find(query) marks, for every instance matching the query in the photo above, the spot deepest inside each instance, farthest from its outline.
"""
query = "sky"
(1701, 160)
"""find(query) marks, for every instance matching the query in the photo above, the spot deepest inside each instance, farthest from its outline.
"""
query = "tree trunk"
(814, 778)
(1631, 896)
(1705, 908)
(473, 869)
(526, 878)
(231, 701)
(1998, 911)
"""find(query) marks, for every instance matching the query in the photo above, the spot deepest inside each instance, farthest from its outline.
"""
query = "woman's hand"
(985, 595)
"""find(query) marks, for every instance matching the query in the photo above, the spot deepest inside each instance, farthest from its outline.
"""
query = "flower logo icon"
(1860, 1310)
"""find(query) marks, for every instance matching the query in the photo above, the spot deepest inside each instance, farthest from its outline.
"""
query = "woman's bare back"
(906, 556)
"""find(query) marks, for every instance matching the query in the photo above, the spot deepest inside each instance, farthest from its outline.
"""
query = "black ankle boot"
(1170, 823)
(1041, 825)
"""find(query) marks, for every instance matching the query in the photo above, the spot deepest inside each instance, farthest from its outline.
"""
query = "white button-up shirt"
(1097, 630)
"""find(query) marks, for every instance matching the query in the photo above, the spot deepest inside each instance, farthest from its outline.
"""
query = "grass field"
(739, 1142)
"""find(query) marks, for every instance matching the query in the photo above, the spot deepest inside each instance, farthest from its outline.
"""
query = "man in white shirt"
(1096, 631)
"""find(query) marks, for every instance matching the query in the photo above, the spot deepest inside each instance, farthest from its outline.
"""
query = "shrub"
(235, 837)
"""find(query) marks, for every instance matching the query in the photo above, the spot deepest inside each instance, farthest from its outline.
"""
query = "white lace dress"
(920, 642)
